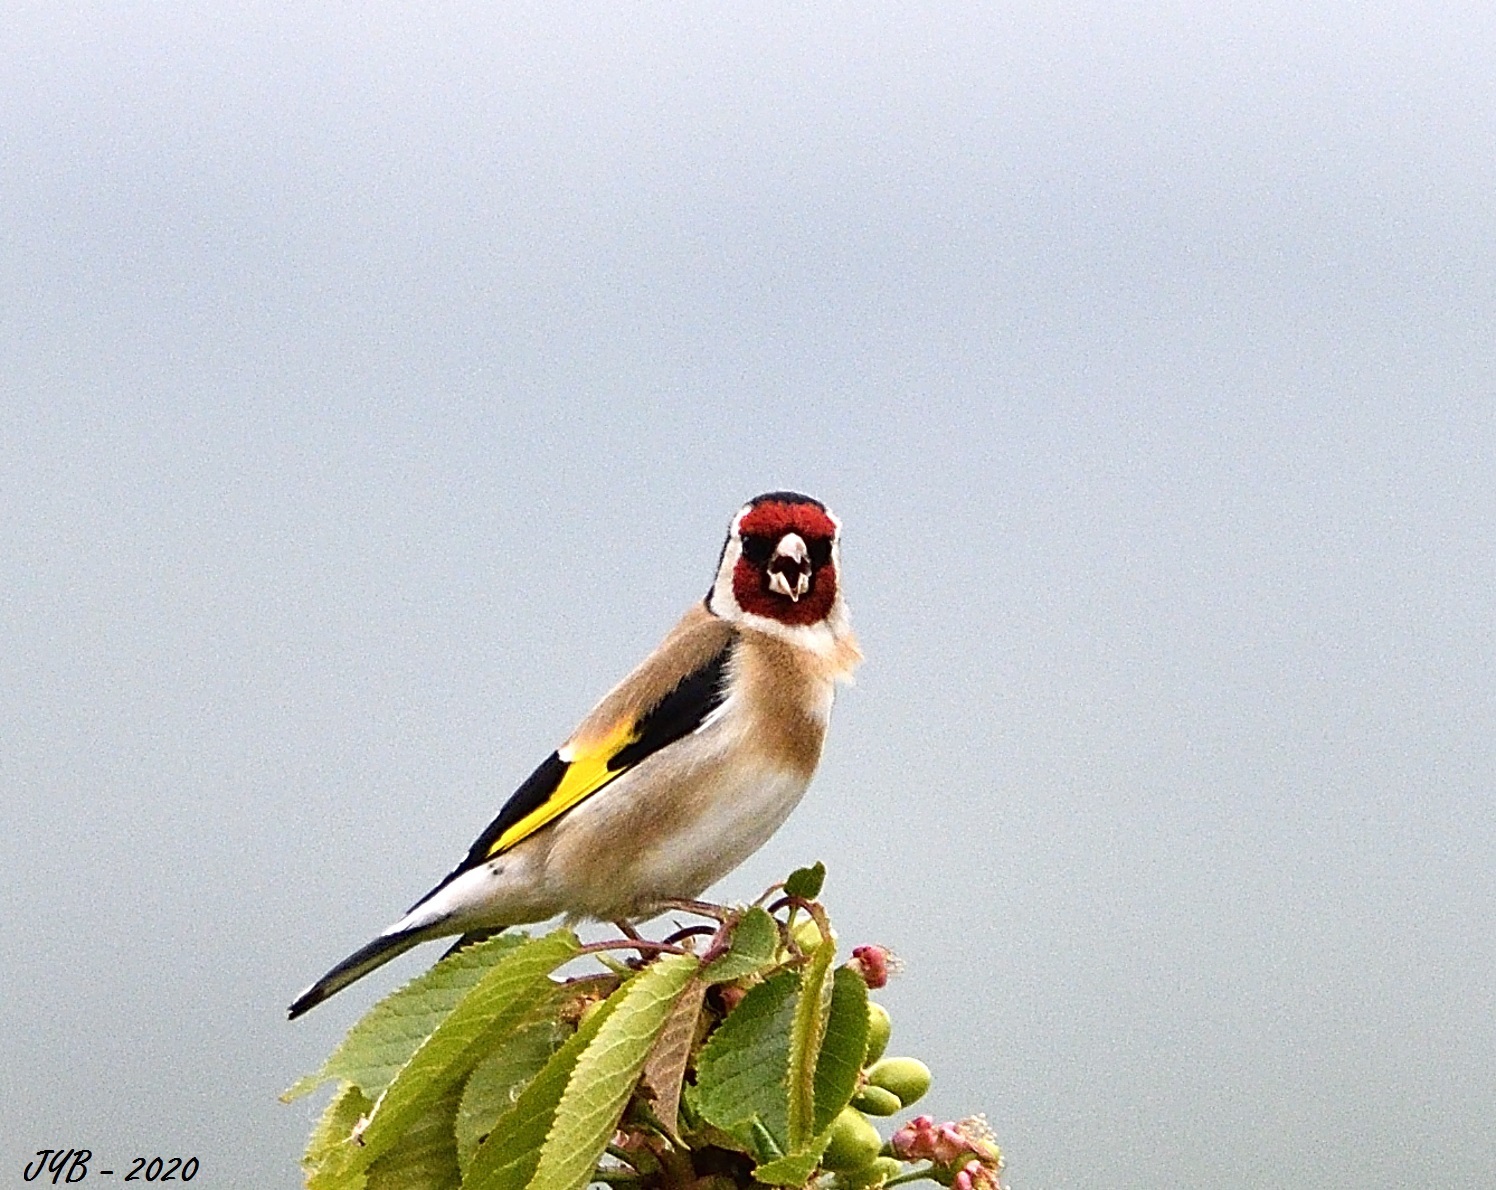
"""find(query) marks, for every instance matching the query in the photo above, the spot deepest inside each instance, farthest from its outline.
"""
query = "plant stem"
(643, 946)
(914, 1175)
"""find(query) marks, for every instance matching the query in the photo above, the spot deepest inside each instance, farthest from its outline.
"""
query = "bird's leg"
(690, 932)
(699, 908)
(625, 927)
(642, 945)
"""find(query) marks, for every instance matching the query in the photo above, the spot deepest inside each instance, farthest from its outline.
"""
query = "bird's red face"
(786, 569)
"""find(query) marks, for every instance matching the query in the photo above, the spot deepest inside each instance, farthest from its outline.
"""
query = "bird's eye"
(820, 551)
(757, 548)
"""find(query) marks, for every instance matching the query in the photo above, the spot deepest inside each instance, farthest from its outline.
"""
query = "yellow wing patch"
(586, 773)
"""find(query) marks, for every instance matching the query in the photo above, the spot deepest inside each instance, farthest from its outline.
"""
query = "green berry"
(807, 935)
(908, 1078)
(879, 1027)
(876, 1101)
(854, 1142)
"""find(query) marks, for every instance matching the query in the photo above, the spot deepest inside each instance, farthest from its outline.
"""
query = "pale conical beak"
(789, 568)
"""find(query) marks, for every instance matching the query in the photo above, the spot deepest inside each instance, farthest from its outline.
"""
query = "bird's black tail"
(472, 938)
(356, 966)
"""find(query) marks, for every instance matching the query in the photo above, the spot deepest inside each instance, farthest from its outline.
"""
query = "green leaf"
(496, 1081)
(665, 1069)
(843, 1049)
(805, 1046)
(806, 882)
(390, 1032)
(506, 995)
(507, 1159)
(333, 1129)
(794, 1170)
(755, 939)
(762, 1142)
(426, 1157)
(607, 1072)
(741, 1071)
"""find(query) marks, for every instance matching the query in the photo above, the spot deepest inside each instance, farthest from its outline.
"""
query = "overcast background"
(376, 384)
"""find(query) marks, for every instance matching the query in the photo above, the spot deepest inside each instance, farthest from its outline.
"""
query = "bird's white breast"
(677, 823)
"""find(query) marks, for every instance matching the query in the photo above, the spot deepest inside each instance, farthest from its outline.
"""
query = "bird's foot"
(720, 913)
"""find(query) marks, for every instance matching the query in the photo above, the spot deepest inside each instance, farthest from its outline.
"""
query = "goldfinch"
(682, 771)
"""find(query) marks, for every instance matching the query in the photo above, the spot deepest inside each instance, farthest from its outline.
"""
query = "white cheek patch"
(723, 602)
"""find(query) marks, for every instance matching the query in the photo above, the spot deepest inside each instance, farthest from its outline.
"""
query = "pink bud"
(915, 1140)
(872, 963)
(980, 1176)
(949, 1144)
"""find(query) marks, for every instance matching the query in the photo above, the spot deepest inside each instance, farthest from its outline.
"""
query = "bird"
(681, 772)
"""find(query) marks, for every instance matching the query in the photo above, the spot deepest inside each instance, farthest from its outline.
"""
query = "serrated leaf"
(334, 1127)
(665, 1068)
(507, 1159)
(805, 1046)
(704, 1134)
(755, 939)
(843, 1048)
(496, 1005)
(387, 1035)
(741, 1071)
(496, 1081)
(793, 1170)
(806, 882)
(426, 1157)
(762, 1142)
(607, 1072)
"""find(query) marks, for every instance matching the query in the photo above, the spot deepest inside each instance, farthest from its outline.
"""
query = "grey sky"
(375, 387)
